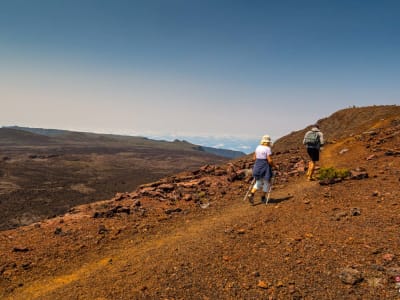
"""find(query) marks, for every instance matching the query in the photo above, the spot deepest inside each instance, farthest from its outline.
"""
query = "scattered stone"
(355, 211)
(121, 210)
(220, 172)
(207, 169)
(256, 274)
(378, 268)
(358, 174)
(102, 229)
(371, 133)
(372, 156)
(393, 271)
(166, 187)
(172, 210)
(191, 184)
(73, 210)
(17, 249)
(262, 284)
(9, 266)
(103, 214)
(146, 190)
(119, 196)
(300, 166)
(187, 197)
(26, 266)
(375, 194)
(58, 231)
(377, 251)
(343, 151)
(329, 181)
(392, 153)
(204, 205)
(360, 169)
(340, 215)
(350, 276)
(388, 257)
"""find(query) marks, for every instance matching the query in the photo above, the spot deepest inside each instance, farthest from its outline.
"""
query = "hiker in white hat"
(262, 170)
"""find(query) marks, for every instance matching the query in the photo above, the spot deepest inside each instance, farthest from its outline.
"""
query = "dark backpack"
(312, 139)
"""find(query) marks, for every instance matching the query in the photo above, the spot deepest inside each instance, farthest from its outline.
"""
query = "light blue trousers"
(262, 182)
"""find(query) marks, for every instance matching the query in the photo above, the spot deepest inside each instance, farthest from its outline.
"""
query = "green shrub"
(332, 173)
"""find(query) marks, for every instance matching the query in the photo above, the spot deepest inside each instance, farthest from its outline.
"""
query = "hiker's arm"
(321, 138)
(270, 162)
(304, 139)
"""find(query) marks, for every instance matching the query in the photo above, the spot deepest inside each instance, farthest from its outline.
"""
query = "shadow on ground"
(275, 200)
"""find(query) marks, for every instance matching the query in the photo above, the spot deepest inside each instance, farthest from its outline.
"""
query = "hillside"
(68, 138)
(341, 124)
(192, 236)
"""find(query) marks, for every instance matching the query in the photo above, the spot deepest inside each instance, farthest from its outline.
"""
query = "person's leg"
(266, 184)
(311, 167)
(314, 157)
(256, 186)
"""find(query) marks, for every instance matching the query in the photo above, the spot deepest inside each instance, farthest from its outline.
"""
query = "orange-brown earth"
(192, 236)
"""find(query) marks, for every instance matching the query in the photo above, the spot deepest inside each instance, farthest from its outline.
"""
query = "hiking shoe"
(251, 198)
(263, 200)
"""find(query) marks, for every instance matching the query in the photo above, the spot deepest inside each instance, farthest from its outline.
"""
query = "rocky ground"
(193, 236)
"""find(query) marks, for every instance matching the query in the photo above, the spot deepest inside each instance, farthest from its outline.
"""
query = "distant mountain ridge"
(240, 144)
(222, 152)
(44, 136)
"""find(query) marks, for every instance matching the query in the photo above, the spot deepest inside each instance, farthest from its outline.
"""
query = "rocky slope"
(192, 236)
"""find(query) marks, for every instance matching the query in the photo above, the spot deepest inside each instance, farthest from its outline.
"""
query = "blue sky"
(194, 67)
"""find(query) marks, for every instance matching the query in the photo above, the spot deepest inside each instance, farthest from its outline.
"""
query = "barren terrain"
(192, 236)
(42, 177)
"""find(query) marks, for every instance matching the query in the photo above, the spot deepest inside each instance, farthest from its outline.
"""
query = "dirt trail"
(129, 267)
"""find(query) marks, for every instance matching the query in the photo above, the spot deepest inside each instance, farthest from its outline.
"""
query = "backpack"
(312, 138)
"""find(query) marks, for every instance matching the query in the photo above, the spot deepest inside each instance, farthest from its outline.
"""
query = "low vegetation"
(330, 173)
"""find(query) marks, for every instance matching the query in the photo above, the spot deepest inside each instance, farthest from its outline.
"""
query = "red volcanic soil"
(193, 236)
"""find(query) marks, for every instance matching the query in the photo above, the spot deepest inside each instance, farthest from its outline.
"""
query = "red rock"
(262, 284)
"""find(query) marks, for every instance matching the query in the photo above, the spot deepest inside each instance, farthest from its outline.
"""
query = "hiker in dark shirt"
(314, 140)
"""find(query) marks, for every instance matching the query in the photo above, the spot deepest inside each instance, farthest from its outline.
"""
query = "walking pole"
(270, 188)
(248, 191)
